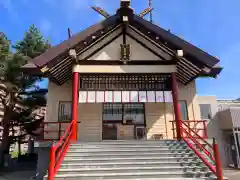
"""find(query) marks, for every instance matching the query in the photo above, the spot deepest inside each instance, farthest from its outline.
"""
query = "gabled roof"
(193, 64)
(56, 51)
(176, 42)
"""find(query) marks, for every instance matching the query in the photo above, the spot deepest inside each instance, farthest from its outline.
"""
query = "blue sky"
(212, 25)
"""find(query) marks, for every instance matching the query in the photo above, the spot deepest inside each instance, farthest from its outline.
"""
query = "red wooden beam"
(176, 105)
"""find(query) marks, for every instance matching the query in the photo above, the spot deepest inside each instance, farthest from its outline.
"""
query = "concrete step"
(119, 142)
(130, 175)
(99, 147)
(128, 143)
(130, 159)
(62, 178)
(126, 151)
(120, 155)
(76, 164)
(132, 169)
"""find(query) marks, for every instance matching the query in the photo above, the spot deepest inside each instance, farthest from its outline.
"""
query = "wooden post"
(176, 105)
(75, 91)
(219, 171)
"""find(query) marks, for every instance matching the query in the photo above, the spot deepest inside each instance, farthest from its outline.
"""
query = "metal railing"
(198, 126)
(58, 151)
(206, 152)
(54, 130)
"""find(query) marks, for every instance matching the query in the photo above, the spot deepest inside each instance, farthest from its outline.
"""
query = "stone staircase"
(134, 160)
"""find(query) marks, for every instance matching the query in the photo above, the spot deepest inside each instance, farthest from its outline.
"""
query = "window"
(134, 112)
(124, 111)
(183, 110)
(205, 111)
(64, 111)
(112, 112)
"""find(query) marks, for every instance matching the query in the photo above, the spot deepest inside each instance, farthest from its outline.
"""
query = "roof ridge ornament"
(72, 52)
(150, 6)
(125, 4)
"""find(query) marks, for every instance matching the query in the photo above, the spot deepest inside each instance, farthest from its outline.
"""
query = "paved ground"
(25, 175)
(232, 174)
(18, 175)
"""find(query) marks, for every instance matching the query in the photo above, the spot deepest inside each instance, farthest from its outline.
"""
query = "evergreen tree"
(33, 43)
(17, 101)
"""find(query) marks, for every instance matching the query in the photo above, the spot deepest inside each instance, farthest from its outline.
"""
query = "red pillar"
(52, 163)
(75, 90)
(176, 105)
(218, 163)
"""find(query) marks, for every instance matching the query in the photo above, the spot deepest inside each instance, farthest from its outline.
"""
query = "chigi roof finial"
(125, 3)
(72, 52)
(150, 6)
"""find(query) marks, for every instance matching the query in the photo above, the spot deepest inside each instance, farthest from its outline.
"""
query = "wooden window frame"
(186, 106)
(209, 113)
(123, 113)
(59, 113)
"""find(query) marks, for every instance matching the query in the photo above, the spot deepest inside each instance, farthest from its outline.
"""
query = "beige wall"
(212, 100)
(125, 132)
(158, 115)
(55, 95)
(110, 52)
(188, 93)
(124, 68)
(90, 117)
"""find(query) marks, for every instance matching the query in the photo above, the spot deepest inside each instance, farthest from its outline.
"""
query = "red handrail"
(58, 151)
(198, 143)
(217, 169)
(56, 130)
(193, 125)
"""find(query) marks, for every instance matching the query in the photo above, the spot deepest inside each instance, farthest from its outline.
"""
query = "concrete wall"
(212, 100)
(214, 131)
(217, 125)
(225, 119)
(211, 125)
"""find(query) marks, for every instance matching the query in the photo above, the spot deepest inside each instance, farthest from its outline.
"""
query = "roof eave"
(180, 43)
(214, 72)
(32, 69)
(57, 50)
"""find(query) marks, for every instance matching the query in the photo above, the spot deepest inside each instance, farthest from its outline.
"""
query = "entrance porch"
(122, 107)
(124, 121)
